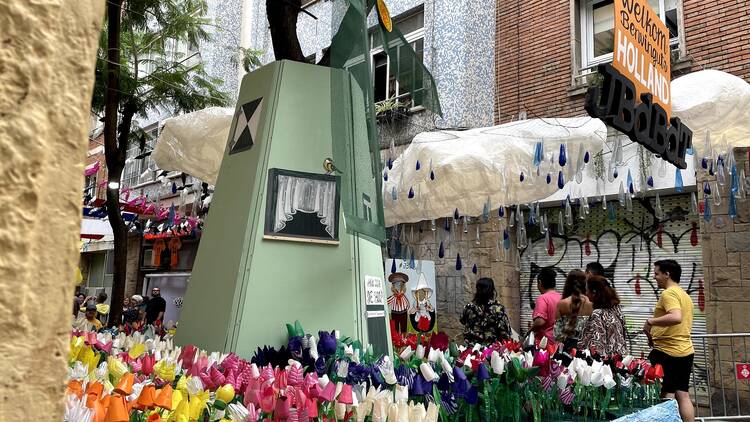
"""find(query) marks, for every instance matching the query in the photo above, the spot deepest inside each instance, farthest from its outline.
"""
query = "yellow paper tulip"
(76, 345)
(197, 404)
(182, 385)
(117, 368)
(182, 411)
(164, 370)
(225, 393)
(137, 350)
(177, 398)
(88, 357)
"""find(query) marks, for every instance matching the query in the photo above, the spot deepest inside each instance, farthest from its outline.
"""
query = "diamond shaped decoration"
(246, 126)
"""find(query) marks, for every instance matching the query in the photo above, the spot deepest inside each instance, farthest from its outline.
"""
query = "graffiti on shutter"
(627, 246)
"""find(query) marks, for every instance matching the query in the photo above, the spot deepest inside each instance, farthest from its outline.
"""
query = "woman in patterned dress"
(484, 319)
(604, 332)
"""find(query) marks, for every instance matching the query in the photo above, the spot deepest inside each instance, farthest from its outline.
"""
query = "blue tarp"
(664, 412)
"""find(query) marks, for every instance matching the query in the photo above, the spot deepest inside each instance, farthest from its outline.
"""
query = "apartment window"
(597, 28)
(134, 168)
(410, 82)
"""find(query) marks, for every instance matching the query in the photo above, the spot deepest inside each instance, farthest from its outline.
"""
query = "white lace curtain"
(305, 195)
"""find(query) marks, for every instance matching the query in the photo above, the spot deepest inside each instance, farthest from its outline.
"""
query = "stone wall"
(726, 265)
(454, 289)
(47, 57)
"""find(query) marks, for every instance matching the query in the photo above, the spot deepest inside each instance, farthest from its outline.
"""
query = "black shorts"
(676, 370)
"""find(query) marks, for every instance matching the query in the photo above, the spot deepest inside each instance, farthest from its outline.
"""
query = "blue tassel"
(474, 269)
(385, 176)
(393, 266)
(586, 157)
(612, 212)
(458, 262)
(418, 166)
(630, 182)
(678, 185)
(174, 187)
(711, 168)
(501, 212)
(411, 193)
(549, 178)
(521, 177)
(706, 188)
(615, 173)
(650, 181)
(563, 156)
(447, 225)
(538, 154)
(506, 239)
(390, 164)
(441, 250)
(732, 207)
(560, 180)
(455, 214)
(704, 163)
(412, 263)
(432, 175)
(707, 209)
(394, 195)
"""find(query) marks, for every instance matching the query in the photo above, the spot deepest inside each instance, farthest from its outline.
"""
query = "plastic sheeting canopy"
(716, 101)
(194, 143)
(483, 166)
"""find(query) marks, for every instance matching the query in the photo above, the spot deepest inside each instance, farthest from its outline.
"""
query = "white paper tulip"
(477, 347)
(237, 412)
(584, 376)
(434, 355)
(386, 368)
(314, 348)
(467, 361)
(340, 410)
(76, 410)
(432, 412)
(348, 350)
(427, 372)
(194, 386)
(101, 371)
(403, 412)
(420, 351)
(497, 363)
(323, 381)
(597, 379)
(406, 353)
(342, 369)
(627, 360)
(401, 393)
(447, 368)
(417, 412)
(393, 412)
(626, 381)
(254, 371)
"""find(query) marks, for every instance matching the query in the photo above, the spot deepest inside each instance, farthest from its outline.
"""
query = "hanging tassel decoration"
(538, 153)
(659, 233)
(521, 177)
(560, 224)
(501, 212)
(631, 188)
(549, 178)
(694, 235)
(560, 180)
(568, 213)
(587, 245)
(701, 296)
(385, 175)
(411, 193)
(417, 166)
(474, 268)
(550, 244)
(650, 181)
(394, 195)
(458, 262)
(707, 209)
(563, 158)
(658, 213)
(586, 157)
(622, 195)
(486, 211)
(478, 240)
(612, 214)
(441, 250)
(638, 284)
(506, 239)
(393, 266)
(693, 204)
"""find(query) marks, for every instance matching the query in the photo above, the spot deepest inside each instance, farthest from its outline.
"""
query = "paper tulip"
(154, 417)
(117, 368)
(147, 398)
(225, 393)
(117, 410)
(406, 353)
(420, 351)
(312, 408)
(497, 363)
(482, 373)
(401, 394)
(164, 398)
(125, 386)
(346, 394)
(75, 388)
(427, 372)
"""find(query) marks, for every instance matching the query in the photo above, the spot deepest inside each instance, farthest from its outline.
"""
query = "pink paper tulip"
(281, 410)
(268, 400)
(312, 408)
(329, 392)
(345, 396)
(295, 376)
(147, 364)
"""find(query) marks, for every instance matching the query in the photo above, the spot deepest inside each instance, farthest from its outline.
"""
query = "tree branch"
(282, 19)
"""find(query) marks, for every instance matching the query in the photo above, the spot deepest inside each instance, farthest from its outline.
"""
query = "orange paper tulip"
(164, 398)
(154, 417)
(146, 399)
(125, 386)
(96, 388)
(118, 410)
(100, 410)
(75, 387)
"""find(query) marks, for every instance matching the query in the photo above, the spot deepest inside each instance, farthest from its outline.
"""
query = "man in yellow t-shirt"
(668, 333)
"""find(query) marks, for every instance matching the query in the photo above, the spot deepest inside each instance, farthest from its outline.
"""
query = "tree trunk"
(115, 157)
(282, 19)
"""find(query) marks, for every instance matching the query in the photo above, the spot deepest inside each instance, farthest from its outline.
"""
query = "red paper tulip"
(329, 392)
(312, 408)
(345, 396)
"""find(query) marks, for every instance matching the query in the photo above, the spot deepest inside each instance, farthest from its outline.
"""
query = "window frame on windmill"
(247, 126)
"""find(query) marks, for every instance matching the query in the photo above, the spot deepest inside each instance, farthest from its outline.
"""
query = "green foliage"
(153, 72)
(249, 58)
(388, 105)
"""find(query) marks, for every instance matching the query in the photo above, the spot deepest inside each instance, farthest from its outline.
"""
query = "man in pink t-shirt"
(545, 310)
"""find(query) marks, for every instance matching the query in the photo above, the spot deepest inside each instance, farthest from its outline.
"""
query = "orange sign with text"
(642, 50)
